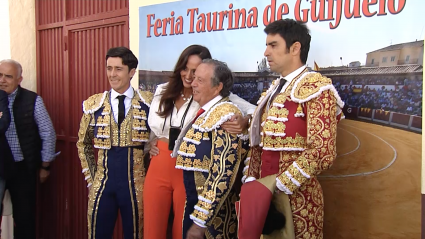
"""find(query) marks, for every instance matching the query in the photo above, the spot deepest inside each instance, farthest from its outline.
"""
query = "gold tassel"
(300, 112)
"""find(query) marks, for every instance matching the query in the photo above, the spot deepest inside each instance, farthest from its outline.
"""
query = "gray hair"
(222, 74)
(18, 65)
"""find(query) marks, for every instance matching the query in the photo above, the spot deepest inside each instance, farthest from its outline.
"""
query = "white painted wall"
(23, 39)
(5, 30)
(5, 54)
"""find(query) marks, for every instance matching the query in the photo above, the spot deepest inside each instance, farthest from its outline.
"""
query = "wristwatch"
(46, 168)
(249, 120)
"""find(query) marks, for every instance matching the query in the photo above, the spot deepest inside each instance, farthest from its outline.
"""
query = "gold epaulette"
(145, 96)
(311, 85)
(94, 102)
(216, 116)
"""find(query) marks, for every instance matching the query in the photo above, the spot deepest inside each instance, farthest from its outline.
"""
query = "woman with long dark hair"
(173, 107)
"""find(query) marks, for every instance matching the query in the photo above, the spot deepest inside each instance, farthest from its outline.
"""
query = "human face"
(9, 79)
(278, 57)
(188, 72)
(118, 74)
(203, 89)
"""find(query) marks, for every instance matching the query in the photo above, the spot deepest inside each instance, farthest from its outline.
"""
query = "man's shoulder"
(3, 94)
(94, 103)
(145, 96)
(217, 115)
(27, 93)
(309, 86)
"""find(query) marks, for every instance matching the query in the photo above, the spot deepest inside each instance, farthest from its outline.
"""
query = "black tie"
(121, 109)
(279, 88)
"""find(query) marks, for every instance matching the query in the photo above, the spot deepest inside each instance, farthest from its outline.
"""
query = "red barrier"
(417, 122)
(382, 115)
(398, 118)
(401, 119)
(350, 112)
(365, 112)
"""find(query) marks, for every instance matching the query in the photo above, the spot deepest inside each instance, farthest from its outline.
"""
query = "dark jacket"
(26, 127)
(5, 155)
(4, 112)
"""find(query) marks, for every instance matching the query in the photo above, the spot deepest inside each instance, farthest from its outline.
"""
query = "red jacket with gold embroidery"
(301, 122)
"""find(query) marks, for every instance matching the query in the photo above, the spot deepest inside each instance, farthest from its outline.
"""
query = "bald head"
(17, 65)
(10, 75)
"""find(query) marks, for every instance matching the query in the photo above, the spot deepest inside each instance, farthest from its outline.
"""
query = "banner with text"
(373, 52)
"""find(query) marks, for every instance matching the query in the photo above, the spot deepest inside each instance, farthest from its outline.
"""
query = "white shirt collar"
(128, 93)
(212, 102)
(294, 74)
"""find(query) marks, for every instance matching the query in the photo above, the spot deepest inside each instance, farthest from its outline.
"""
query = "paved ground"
(366, 204)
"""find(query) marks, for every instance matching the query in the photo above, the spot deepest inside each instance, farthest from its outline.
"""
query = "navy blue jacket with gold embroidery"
(215, 156)
(98, 125)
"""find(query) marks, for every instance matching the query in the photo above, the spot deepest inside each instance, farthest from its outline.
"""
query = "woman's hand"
(154, 151)
(237, 124)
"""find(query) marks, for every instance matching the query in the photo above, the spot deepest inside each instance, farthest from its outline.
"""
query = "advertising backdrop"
(373, 52)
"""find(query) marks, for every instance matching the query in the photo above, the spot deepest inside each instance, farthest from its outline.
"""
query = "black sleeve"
(4, 112)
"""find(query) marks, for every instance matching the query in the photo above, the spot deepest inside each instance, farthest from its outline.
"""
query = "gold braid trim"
(217, 115)
(94, 102)
(145, 96)
(85, 148)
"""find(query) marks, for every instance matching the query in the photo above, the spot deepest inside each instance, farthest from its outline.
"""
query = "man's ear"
(132, 72)
(295, 48)
(219, 88)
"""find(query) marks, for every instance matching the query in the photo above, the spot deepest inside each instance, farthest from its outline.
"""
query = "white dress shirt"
(129, 93)
(211, 103)
(156, 123)
(289, 78)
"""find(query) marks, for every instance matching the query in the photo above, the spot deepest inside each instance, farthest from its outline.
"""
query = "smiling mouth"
(188, 81)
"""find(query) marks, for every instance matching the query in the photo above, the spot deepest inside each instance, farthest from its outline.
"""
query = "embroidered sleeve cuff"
(249, 179)
(282, 187)
(197, 222)
(245, 169)
(298, 173)
(204, 201)
(89, 182)
(292, 179)
(202, 211)
(87, 176)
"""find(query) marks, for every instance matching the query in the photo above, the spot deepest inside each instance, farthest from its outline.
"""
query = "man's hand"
(44, 174)
(237, 124)
(154, 151)
(196, 232)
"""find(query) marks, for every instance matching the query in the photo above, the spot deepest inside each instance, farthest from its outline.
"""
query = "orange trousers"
(163, 187)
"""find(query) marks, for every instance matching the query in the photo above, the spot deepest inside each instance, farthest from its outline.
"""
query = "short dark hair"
(127, 56)
(222, 74)
(292, 31)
